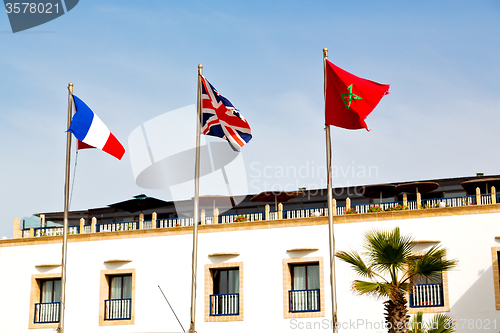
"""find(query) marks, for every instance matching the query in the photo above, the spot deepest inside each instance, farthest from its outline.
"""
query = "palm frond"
(375, 289)
(416, 323)
(356, 262)
(388, 251)
(441, 323)
(431, 264)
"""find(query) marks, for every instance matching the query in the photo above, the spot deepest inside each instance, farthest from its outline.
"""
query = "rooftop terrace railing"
(177, 222)
(117, 226)
(55, 231)
(484, 199)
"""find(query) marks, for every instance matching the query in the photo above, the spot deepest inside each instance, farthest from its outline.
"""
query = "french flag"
(89, 129)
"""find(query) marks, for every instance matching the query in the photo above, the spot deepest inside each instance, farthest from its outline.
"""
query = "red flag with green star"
(349, 99)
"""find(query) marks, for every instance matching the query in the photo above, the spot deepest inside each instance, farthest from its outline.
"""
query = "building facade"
(269, 274)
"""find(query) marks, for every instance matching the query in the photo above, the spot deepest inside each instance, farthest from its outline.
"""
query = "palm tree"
(390, 268)
(440, 323)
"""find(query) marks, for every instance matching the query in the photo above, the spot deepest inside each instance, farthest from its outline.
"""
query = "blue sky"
(132, 61)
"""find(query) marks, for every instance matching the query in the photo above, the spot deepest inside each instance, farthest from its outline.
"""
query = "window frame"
(288, 263)
(209, 290)
(105, 293)
(215, 278)
(495, 258)
(36, 297)
(306, 265)
(446, 297)
(110, 279)
(44, 281)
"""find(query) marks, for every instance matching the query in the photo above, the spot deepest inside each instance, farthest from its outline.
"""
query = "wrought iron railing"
(47, 312)
(364, 208)
(118, 309)
(54, 231)
(341, 210)
(450, 202)
(176, 222)
(304, 300)
(117, 226)
(225, 304)
(251, 217)
(306, 212)
(426, 295)
(485, 199)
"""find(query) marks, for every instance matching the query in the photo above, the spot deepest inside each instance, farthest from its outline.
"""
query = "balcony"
(47, 313)
(304, 300)
(224, 304)
(268, 215)
(117, 309)
(426, 295)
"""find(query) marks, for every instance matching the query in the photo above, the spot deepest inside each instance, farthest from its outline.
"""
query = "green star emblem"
(348, 97)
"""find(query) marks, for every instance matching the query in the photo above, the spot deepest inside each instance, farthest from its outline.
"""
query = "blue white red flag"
(89, 129)
(220, 118)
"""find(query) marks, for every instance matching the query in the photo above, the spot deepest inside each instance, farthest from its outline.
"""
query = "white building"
(257, 260)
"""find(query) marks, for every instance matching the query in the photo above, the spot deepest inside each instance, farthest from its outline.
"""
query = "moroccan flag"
(349, 99)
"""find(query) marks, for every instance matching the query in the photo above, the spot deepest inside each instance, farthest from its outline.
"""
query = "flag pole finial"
(70, 87)
(325, 52)
(200, 68)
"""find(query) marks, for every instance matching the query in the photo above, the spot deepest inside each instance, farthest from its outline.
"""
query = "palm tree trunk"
(396, 316)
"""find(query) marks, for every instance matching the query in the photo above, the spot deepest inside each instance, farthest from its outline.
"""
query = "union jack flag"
(220, 118)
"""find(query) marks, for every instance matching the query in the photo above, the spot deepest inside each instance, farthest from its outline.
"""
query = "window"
(45, 300)
(305, 293)
(224, 292)
(429, 296)
(116, 306)
(225, 299)
(495, 256)
(498, 266)
(47, 311)
(303, 287)
(426, 293)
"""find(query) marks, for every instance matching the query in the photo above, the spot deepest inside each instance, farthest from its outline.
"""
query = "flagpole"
(196, 203)
(66, 207)
(330, 208)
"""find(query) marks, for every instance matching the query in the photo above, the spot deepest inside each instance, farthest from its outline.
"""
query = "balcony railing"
(361, 209)
(426, 295)
(118, 309)
(308, 212)
(484, 199)
(304, 300)
(147, 224)
(47, 313)
(117, 226)
(178, 222)
(453, 202)
(225, 304)
(55, 231)
(251, 217)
